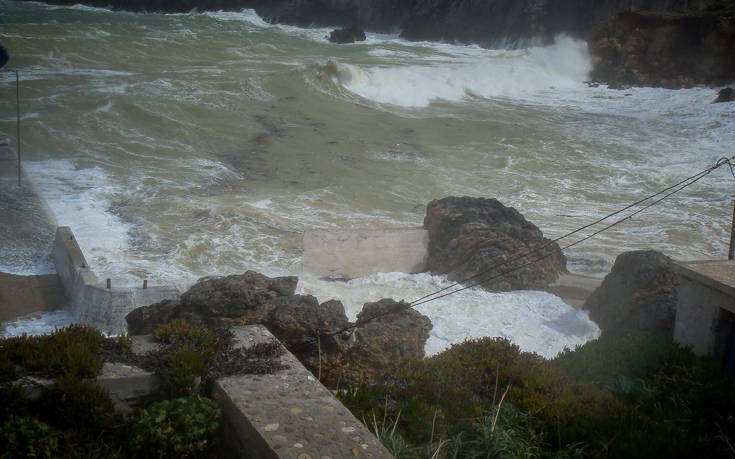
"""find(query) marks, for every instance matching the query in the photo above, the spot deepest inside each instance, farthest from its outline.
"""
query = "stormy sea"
(178, 146)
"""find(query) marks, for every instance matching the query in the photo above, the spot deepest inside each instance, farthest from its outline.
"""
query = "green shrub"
(179, 427)
(76, 404)
(28, 437)
(68, 351)
(189, 348)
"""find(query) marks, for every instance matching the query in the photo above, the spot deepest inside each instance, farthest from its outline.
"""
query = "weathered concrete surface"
(574, 289)
(22, 295)
(127, 384)
(705, 306)
(26, 226)
(347, 254)
(288, 414)
(92, 303)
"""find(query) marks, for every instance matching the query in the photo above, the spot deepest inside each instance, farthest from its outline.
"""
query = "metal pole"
(17, 103)
(731, 252)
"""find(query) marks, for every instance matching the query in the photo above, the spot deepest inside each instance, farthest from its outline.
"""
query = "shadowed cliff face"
(485, 22)
(665, 50)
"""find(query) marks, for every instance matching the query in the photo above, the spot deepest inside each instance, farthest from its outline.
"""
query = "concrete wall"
(347, 254)
(705, 291)
(92, 303)
(287, 414)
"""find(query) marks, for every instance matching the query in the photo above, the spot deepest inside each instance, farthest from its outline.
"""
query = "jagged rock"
(470, 237)
(237, 295)
(143, 320)
(347, 35)
(387, 336)
(673, 51)
(725, 95)
(318, 334)
(640, 293)
(298, 319)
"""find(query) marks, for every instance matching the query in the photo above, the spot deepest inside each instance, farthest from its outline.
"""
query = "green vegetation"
(180, 427)
(637, 395)
(188, 350)
(73, 417)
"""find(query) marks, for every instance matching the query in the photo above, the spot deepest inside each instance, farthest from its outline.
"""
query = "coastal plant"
(68, 351)
(76, 404)
(188, 350)
(180, 427)
(23, 436)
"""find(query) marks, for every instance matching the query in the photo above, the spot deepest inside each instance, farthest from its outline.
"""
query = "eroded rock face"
(665, 50)
(470, 237)
(387, 335)
(640, 293)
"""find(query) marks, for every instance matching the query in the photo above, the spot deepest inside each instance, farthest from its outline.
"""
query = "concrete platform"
(288, 414)
(574, 289)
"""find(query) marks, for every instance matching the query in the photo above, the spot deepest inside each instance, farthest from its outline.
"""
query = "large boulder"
(477, 239)
(638, 48)
(640, 293)
(387, 334)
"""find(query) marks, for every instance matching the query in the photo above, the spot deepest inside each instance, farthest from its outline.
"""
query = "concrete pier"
(26, 236)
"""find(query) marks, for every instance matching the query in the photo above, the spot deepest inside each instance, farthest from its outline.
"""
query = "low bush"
(23, 436)
(633, 395)
(179, 427)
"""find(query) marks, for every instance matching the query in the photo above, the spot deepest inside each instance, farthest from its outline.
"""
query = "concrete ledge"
(347, 254)
(705, 307)
(288, 414)
(93, 303)
(22, 295)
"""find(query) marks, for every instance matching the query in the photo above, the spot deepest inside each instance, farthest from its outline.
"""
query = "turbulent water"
(178, 146)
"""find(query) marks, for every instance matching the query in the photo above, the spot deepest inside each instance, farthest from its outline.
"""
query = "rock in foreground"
(640, 293)
(476, 239)
(387, 335)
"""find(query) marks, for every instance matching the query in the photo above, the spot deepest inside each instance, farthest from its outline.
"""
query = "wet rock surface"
(347, 35)
(475, 239)
(387, 333)
(725, 95)
(640, 293)
(673, 51)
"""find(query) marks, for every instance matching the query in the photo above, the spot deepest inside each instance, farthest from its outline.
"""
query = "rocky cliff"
(665, 50)
(486, 22)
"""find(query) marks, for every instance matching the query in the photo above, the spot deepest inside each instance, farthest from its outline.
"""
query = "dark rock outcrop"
(478, 239)
(386, 332)
(347, 35)
(640, 293)
(725, 95)
(485, 22)
(665, 50)
(387, 335)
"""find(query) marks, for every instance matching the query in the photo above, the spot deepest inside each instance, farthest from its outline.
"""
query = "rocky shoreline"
(661, 43)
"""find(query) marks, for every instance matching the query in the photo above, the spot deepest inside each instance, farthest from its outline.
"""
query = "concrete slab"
(288, 414)
(23, 295)
(574, 289)
(26, 226)
(347, 254)
(717, 274)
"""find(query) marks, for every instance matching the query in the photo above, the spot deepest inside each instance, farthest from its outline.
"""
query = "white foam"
(536, 321)
(36, 324)
(478, 73)
(78, 198)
